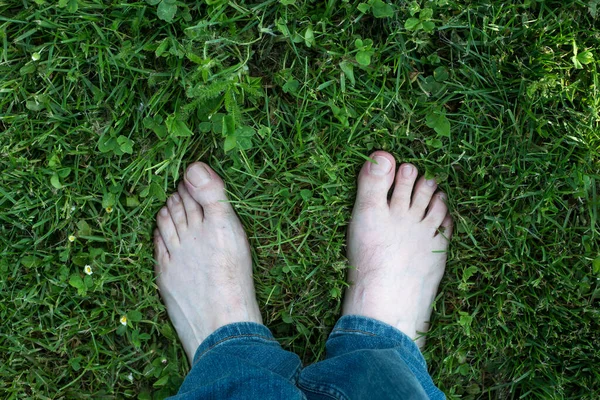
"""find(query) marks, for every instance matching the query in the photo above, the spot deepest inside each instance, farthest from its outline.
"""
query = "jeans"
(366, 359)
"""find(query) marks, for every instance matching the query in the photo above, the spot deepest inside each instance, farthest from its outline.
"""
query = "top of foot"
(396, 247)
(204, 267)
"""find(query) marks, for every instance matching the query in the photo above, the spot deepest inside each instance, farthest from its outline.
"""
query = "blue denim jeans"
(366, 359)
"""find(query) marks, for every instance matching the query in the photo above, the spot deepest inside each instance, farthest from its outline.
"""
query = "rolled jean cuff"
(239, 331)
(389, 336)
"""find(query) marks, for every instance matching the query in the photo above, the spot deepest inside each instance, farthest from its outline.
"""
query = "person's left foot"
(204, 267)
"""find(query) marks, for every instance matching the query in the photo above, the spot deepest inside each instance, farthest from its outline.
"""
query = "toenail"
(382, 167)
(197, 175)
(407, 171)
(164, 212)
(176, 198)
(430, 182)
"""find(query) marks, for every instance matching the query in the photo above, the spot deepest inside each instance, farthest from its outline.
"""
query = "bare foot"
(395, 248)
(204, 267)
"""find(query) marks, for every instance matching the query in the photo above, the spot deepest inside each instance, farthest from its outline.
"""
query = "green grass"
(103, 104)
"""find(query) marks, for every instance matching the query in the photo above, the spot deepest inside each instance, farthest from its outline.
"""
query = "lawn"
(103, 104)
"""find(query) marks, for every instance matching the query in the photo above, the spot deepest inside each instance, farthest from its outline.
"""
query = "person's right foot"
(396, 248)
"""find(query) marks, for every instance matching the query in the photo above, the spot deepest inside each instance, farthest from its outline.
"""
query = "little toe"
(403, 187)
(375, 180)
(161, 254)
(421, 197)
(446, 227)
(167, 229)
(437, 210)
(192, 208)
(207, 188)
(175, 206)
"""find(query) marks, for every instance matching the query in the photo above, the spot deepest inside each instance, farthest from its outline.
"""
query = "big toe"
(375, 180)
(207, 188)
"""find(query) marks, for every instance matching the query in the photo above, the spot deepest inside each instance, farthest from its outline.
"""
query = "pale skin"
(396, 252)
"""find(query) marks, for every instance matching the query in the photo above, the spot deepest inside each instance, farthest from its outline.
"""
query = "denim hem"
(238, 330)
(407, 348)
(373, 327)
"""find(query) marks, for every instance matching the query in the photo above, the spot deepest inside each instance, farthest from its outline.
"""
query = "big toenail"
(164, 212)
(430, 182)
(197, 175)
(407, 171)
(382, 167)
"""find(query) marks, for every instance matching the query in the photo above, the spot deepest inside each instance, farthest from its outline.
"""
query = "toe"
(424, 190)
(175, 206)
(161, 254)
(446, 227)
(403, 187)
(375, 180)
(207, 188)
(437, 211)
(193, 211)
(167, 229)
